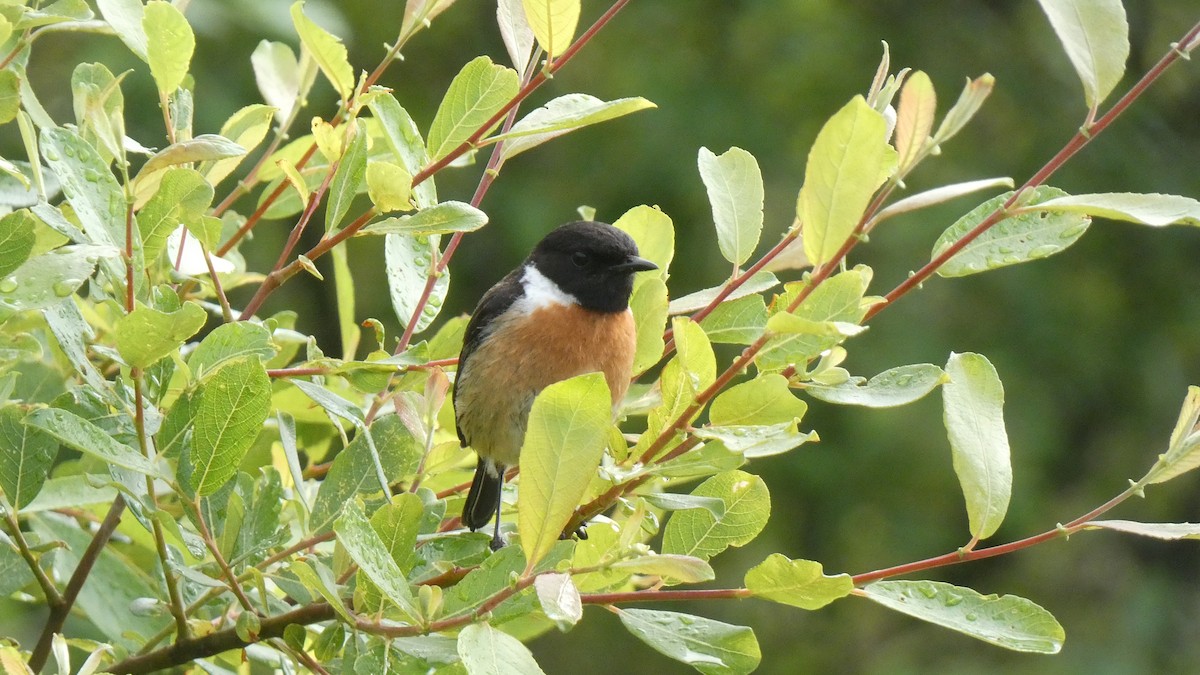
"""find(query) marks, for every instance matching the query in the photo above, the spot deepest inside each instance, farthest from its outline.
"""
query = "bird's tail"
(484, 495)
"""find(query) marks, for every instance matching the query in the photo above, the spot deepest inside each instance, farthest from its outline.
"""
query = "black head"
(595, 262)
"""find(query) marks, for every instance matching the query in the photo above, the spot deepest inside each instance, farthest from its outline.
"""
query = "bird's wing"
(493, 303)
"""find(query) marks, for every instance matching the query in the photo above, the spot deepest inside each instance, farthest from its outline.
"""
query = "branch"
(1077, 142)
(59, 612)
(185, 651)
(1000, 549)
(279, 276)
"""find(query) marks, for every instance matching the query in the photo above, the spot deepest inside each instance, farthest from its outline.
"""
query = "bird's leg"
(497, 542)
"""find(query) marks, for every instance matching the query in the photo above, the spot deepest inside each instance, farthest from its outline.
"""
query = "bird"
(562, 312)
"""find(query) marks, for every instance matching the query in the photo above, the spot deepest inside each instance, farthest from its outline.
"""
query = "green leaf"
(1183, 451)
(230, 341)
(676, 569)
(10, 97)
(353, 470)
(125, 17)
(799, 583)
(407, 263)
(401, 134)
(1095, 35)
(70, 492)
(146, 335)
(16, 240)
(757, 440)
(654, 234)
(738, 322)
(553, 23)
(764, 400)
(515, 32)
(1006, 621)
(848, 161)
(673, 501)
(711, 647)
(344, 283)
(77, 433)
(564, 443)
(697, 532)
(563, 115)
(74, 336)
(1167, 531)
(914, 119)
(397, 523)
(317, 577)
(559, 599)
(735, 190)
(840, 300)
(649, 306)
(360, 540)
(247, 128)
(44, 280)
(232, 407)
(348, 179)
(279, 77)
(939, 195)
(487, 651)
(26, 455)
(169, 44)
(969, 102)
(327, 50)
(444, 218)
(389, 186)
(202, 148)
(14, 575)
(475, 95)
(88, 184)
(973, 409)
(1145, 209)
(183, 197)
(759, 282)
(693, 368)
(1033, 233)
(893, 387)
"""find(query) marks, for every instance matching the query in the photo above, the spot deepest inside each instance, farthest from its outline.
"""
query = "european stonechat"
(563, 312)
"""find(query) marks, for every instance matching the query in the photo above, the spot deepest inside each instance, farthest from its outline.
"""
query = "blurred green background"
(1095, 346)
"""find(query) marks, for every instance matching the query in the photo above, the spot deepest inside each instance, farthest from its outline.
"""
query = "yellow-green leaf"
(553, 23)
(327, 50)
(232, 406)
(563, 446)
(475, 95)
(169, 44)
(799, 583)
(848, 161)
(146, 335)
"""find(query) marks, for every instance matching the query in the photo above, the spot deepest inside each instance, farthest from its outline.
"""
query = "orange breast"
(526, 353)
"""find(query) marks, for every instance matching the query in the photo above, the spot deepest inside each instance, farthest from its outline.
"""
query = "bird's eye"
(580, 259)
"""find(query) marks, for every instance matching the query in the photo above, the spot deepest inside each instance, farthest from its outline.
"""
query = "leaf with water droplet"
(697, 532)
(799, 583)
(709, 646)
(1030, 234)
(973, 411)
(44, 280)
(146, 335)
(1007, 621)
(894, 387)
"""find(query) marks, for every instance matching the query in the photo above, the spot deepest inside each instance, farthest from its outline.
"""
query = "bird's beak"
(635, 264)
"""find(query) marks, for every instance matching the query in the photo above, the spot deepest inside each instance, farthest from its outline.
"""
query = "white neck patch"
(541, 292)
